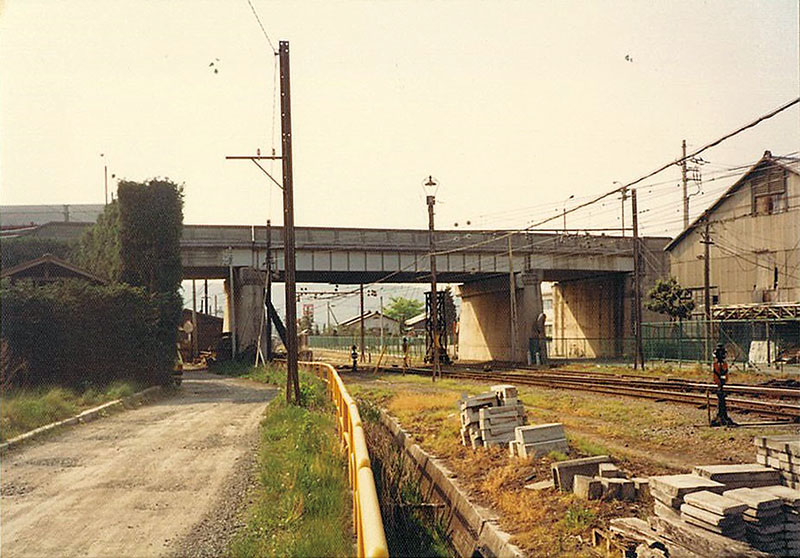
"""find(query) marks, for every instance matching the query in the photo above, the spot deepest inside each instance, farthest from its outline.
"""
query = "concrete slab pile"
(714, 513)
(490, 418)
(764, 518)
(668, 492)
(749, 475)
(781, 453)
(538, 439)
(791, 515)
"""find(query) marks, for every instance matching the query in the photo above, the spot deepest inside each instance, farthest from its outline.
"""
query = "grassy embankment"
(646, 437)
(22, 410)
(302, 504)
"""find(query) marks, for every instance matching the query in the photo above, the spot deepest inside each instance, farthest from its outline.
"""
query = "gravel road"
(167, 478)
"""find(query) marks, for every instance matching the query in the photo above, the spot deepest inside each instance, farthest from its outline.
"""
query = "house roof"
(416, 319)
(366, 316)
(49, 267)
(791, 164)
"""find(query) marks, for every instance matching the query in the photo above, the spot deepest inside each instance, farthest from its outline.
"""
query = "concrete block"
(618, 489)
(610, 471)
(512, 449)
(542, 448)
(540, 433)
(642, 486)
(789, 496)
(478, 401)
(673, 502)
(497, 412)
(715, 503)
(588, 488)
(564, 471)
(717, 520)
(745, 473)
(755, 500)
(541, 485)
(680, 485)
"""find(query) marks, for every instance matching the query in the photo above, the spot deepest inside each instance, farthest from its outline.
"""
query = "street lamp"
(565, 211)
(431, 185)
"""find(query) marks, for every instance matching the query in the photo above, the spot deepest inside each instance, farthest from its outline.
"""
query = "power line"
(258, 19)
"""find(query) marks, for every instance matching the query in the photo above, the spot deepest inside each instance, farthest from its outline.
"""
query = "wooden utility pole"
(292, 379)
(624, 197)
(707, 285)
(205, 296)
(361, 321)
(637, 288)
(512, 289)
(685, 188)
(268, 293)
(437, 366)
(232, 304)
(195, 348)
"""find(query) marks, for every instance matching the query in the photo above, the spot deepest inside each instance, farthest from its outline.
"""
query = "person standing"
(405, 354)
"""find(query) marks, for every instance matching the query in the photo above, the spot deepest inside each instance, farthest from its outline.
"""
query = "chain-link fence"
(372, 344)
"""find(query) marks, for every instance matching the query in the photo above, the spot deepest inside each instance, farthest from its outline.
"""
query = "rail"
(367, 520)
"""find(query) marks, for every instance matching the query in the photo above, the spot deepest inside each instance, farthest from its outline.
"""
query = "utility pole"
(232, 304)
(268, 293)
(361, 321)
(288, 225)
(381, 323)
(195, 349)
(637, 289)
(512, 289)
(205, 296)
(685, 188)
(624, 197)
(707, 284)
(437, 365)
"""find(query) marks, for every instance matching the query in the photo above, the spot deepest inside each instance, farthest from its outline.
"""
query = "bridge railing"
(367, 520)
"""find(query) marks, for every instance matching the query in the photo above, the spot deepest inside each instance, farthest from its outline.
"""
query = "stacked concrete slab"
(668, 491)
(763, 517)
(749, 475)
(791, 516)
(781, 453)
(714, 513)
(490, 418)
(538, 439)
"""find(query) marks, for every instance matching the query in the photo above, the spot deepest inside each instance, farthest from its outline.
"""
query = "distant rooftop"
(19, 216)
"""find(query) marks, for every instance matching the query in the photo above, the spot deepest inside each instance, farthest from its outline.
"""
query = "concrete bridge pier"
(248, 306)
(485, 327)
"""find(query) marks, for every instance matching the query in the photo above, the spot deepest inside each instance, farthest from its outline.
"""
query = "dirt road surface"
(135, 484)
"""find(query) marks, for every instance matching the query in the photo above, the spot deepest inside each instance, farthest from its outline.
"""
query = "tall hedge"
(73, 333)
(99, 248)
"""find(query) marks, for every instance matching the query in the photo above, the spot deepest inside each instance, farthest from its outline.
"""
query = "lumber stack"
(764, 518)
(781, 453)
(715, 513)
(490, 418)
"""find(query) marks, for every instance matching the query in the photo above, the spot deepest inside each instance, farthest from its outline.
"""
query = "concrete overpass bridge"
(592, 296)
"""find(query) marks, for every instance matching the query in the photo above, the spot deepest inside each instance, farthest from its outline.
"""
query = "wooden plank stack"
(714, 513)
(490, 418)
(764, 518)
(781, 453)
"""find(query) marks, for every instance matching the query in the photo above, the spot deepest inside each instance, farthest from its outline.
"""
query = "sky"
(512, 106)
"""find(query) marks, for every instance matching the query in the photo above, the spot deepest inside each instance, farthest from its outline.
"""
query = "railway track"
(781, 403)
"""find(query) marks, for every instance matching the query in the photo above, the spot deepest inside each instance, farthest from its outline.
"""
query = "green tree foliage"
(668, 297)
(151, 221)
(15, 251)
(99, 248)
(83, 333)
(401, 308)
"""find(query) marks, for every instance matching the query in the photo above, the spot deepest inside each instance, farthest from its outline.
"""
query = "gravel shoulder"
(168, 478)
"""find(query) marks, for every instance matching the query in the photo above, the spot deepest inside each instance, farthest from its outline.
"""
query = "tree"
(668, 297)
(99, 250)
(401, 308)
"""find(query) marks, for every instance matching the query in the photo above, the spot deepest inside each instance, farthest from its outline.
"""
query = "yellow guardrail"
(367, 520)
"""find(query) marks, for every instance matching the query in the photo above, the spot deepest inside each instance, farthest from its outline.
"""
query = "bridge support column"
(248, 298)
(484, 331)
(589, 318)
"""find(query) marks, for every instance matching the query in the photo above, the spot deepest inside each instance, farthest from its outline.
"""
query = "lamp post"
(431, 186)
(565, 211)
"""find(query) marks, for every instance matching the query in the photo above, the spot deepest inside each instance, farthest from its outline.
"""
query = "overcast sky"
(511, 105)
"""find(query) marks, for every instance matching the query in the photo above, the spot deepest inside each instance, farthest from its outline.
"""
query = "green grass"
(587, 446)
(303, 501)
(22, 410)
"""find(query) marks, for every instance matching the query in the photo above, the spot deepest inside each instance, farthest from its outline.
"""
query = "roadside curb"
(137, 399)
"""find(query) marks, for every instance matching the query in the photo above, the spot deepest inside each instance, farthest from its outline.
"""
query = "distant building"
(754, 228)
(27, 216)
(208, 332)
(417, 324)
(372, 324)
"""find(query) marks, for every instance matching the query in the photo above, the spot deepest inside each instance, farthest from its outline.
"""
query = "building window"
(768, 186)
